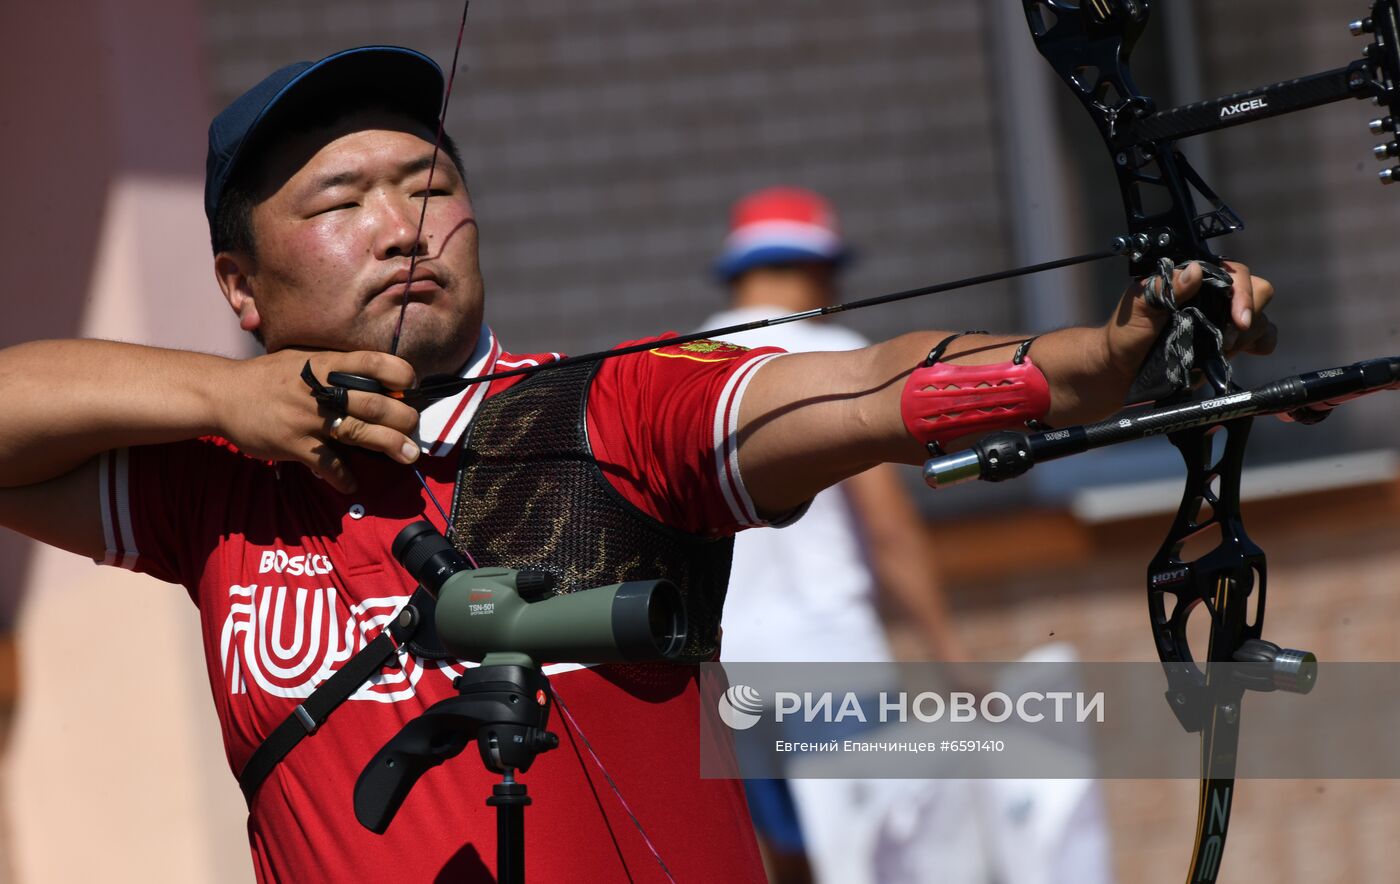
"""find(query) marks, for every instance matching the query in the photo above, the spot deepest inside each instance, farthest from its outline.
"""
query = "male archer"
(276, 510)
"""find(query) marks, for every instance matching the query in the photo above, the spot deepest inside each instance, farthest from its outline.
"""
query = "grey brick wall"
(606, 141)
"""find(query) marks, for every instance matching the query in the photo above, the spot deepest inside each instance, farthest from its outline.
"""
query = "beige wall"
(1334, 572)
(114, 770)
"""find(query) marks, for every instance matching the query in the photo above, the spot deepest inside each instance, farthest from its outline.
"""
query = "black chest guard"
(531, 496)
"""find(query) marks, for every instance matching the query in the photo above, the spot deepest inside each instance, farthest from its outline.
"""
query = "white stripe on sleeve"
(726, 443)
(114, 497)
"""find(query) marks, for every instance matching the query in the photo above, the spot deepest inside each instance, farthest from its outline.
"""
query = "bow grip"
(1152, 383)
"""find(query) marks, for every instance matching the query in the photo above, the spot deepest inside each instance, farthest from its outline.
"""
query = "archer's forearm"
(66, 401)
(809, 420)
(1084, 385)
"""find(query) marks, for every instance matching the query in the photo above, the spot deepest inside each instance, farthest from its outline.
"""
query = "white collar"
(442, 423)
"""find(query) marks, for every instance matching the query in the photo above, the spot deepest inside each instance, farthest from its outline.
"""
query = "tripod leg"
(510, 799)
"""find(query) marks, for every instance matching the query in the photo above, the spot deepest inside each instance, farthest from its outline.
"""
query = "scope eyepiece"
(427, 556)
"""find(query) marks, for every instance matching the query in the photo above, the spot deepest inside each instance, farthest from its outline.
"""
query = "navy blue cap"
(409, 79)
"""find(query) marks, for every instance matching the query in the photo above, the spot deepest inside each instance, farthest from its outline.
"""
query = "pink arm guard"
(942, 402)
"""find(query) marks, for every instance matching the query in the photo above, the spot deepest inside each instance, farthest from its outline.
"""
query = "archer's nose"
(399, 233)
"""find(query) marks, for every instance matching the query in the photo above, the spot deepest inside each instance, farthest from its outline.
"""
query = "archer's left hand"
(1136, 325)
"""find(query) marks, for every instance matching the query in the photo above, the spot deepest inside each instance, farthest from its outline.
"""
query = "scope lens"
(427, 556)
(648, 620)
(666, 616)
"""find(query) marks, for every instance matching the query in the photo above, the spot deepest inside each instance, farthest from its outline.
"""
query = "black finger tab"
(335, 398)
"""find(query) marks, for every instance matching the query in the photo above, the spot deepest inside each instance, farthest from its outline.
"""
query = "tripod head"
(503, 706)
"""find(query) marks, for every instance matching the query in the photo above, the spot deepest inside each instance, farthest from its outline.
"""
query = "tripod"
(504, 706)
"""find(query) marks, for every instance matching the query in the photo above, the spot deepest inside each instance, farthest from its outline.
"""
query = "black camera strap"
(311, 713)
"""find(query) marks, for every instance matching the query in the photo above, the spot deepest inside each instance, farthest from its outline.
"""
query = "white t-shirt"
(804, 592)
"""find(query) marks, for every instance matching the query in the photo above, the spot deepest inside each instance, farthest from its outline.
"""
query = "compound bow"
(1089, 45)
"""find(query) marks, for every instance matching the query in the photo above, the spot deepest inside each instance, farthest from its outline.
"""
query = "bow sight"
(1089, 44)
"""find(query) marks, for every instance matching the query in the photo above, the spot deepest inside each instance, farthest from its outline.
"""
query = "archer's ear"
(234, 273)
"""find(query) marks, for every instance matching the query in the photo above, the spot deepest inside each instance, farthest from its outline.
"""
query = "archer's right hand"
(270, 413)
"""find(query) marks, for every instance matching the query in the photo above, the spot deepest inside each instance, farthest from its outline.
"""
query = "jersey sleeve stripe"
(721, 447)
(113, 479)
(726, 443)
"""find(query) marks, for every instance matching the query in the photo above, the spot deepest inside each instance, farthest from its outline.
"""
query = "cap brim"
(393, 72)
(732, 265)
(407, 80)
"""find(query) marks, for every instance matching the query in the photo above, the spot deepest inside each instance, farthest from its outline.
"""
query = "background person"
(815, 590)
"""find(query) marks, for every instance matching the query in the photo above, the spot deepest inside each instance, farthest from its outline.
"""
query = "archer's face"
(335, 237)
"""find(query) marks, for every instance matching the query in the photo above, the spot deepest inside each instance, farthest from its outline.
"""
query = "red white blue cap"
(780, 225)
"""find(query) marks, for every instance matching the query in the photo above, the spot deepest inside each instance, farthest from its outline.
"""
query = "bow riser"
(1222, 579)
(1090, 46)
(1223, 582)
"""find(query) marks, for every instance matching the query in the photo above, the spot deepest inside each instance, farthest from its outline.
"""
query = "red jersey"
(292, 578)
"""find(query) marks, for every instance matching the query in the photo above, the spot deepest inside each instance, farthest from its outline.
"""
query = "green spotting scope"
(483, 611)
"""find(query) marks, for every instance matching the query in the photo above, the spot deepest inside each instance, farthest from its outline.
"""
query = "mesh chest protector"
(531, 496)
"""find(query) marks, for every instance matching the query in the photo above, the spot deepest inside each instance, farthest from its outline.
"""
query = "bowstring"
(418, 248)
(418, 245)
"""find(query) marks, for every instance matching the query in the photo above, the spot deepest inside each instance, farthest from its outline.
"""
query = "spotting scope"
(483, 611)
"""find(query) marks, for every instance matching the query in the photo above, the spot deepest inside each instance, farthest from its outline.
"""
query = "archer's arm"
(809, 420)
(68, 401)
